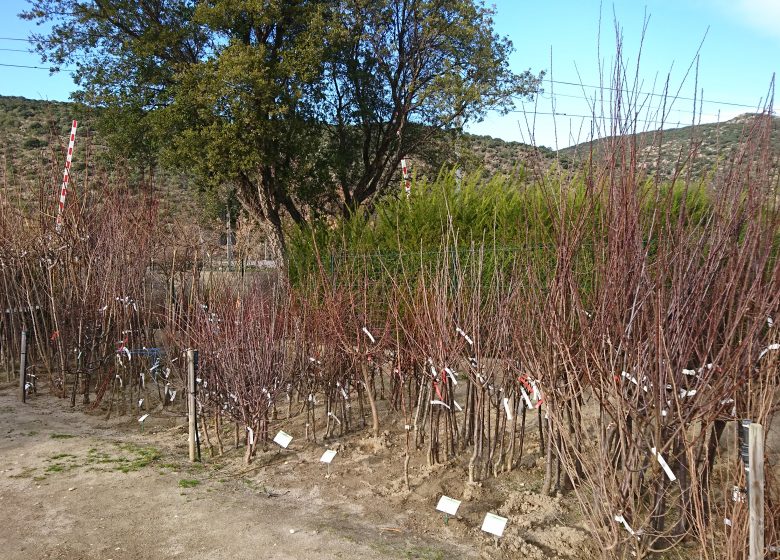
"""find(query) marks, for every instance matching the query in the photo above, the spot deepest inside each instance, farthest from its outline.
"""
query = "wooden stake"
(23, 366)
(756, 485)
(191, 401)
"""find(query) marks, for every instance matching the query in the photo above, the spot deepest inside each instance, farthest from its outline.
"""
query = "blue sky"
(739, 54)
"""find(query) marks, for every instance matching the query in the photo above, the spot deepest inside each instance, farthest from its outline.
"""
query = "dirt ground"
(75, 485)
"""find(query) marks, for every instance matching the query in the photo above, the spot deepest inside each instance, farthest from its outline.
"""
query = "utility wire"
(34, 67)
(548, 80)
(596, 117)
(684, 111)
(652, 94)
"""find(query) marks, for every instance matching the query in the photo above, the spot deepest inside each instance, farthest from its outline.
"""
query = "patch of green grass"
(140, 457)
(133, 458)
(61, 456)
(27, 472)
(188, 483)
(56, 467)
(61, 436)
(410, 553)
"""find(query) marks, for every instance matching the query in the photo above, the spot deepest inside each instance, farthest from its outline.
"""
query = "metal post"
(23, 366)
(756, 486)
(743, 437)
(229, 242)
(191, 356)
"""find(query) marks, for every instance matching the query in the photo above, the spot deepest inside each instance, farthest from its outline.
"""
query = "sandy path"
(68, 497)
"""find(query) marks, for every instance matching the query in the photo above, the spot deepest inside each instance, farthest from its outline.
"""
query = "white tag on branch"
(494, 524)
(173, 395)
(282, 439)
(507, 409)
(457, 406)
(684, 393)
(451, 375)
(664, 464)
(442, 403)
(140, 403)
(633, 380)
(336, 418)
(622, 520)
(142, 418)
(250, 435)
(328, 456)
(769, 322)
(774, 346)
(462, 333)
(369, 335)
(537, 393)
(528, 404)
(738, 495)
(448, 505)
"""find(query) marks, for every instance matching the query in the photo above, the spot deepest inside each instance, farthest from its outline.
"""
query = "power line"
(593, 117)
(652, 94)
(15, 50)
(50, 69)
(552, 81)
(551, 96)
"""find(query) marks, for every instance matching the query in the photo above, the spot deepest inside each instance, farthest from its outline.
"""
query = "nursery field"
(555, 364)
(76, 485)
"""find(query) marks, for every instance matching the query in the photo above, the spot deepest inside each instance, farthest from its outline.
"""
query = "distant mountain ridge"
(701, 147)
(35, 134)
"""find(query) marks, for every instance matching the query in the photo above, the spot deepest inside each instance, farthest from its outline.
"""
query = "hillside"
(31, 129)
(32, 157)
(669, 149)
(35, 136)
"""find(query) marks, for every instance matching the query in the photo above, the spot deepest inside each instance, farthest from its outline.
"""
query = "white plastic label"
(494, 524)
(448, 505)
(507, 409)
(144, 417)
(462, 333)
(282, 439)
(664, 464)
(328, 456)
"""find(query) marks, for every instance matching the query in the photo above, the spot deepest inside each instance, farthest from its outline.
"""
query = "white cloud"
(763, 15)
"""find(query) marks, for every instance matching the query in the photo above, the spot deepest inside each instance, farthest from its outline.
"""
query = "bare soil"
(75, 485)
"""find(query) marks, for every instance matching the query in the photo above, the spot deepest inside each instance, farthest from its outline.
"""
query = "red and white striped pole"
(66, 176)
(407, 178)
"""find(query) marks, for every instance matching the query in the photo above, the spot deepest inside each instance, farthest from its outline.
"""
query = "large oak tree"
(305, 107)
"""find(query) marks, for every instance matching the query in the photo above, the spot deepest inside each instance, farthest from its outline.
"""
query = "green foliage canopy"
(306, 107)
